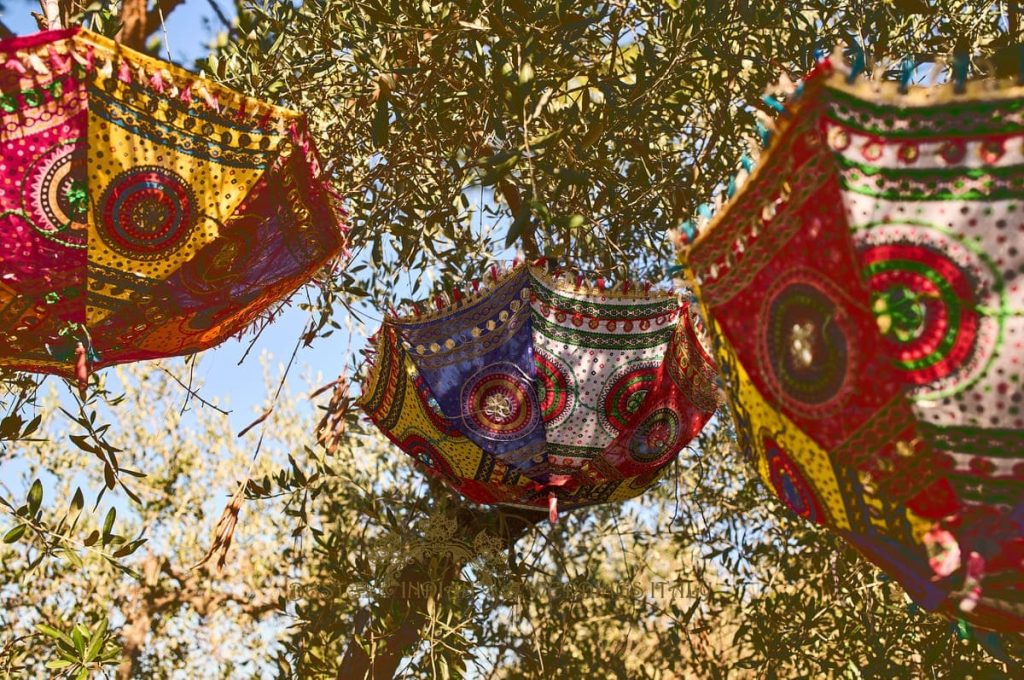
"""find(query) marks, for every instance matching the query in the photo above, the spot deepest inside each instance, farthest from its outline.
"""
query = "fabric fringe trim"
(565, 281)
(378, 344)
(455, 299)
(576, 284)
(836, 72)
(56, 53)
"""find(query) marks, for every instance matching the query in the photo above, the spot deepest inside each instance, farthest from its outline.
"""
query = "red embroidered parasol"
(144, 212)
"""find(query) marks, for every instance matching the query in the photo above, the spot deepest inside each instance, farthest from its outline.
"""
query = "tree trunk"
(139, 22)
(408, 603)
(133, 17)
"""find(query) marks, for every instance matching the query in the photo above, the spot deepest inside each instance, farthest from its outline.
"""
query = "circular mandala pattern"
(55, 199)
(790, 485)
(658, 436)
(805, 346)
(872, 150)
(555, 391)
(147, 213)
(838, 138)
(926, 288)
(624, 394)
(498, 403)
(952, 151)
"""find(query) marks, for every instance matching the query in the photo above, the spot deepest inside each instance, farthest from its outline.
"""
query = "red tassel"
(81, 370)
(209, 99)
(157, 81)
(494, 273)
(540, 262)
(186, 94)
(625, 286)
(456, 295)
(124, 72)
(553, 508)
(600, 284)
(476, 285)
(439, 301)
(15, 65)
(59, 64)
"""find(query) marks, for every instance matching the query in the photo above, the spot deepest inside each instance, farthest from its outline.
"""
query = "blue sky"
(218, 376)
(190, 28)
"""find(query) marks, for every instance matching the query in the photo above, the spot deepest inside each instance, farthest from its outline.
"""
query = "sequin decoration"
(863, 293)
(540, 387)
(144, 212)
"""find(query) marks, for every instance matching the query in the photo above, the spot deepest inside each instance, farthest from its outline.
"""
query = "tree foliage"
(460, 132)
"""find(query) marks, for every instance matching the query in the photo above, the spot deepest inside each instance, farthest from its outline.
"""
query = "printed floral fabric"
(145, 212)
(864, 300)
(541, 387)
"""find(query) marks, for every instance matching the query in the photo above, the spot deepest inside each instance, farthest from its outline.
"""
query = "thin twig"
(266, 414)
(192, 393)
(220, 15)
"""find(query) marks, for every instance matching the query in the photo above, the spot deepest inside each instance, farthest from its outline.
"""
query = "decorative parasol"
(542, 391)
(146, 212)
(863, 291)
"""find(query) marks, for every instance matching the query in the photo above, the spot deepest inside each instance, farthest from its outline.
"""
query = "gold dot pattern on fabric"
(461, 454)
(630, 488)
(113, 155)
(154, 207)
(119, 173)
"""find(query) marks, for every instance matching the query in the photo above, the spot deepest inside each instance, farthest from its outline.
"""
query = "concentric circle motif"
(55, 199)
(926, 289)
(790, 485)
(658, 436)
(805, 347)
(908, 153)
(555, 391)
(952, 151)
(147, 213)
(991, 151)
(838, 138)
(624, 394)
(499, 403)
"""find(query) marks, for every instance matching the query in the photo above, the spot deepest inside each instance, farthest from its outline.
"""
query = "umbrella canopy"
(541, 390)
(144, 212)
(863, 293)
